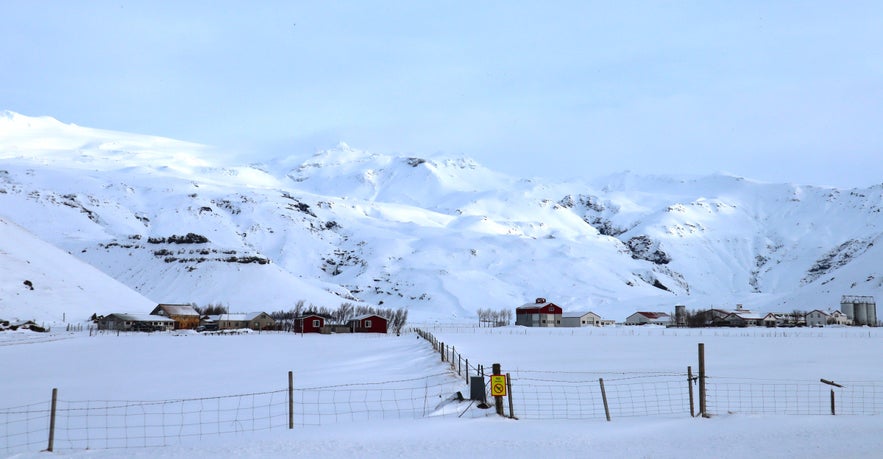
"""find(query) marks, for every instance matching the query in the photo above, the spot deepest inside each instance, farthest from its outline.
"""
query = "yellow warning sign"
(498, 385)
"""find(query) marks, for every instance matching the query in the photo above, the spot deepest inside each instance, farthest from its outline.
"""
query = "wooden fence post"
(498, 401)
(690, 389)
(290, 400)
(604, 398)
(833, 411)
(52, 420)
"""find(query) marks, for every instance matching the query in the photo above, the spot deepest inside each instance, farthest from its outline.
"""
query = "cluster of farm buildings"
(854, 310)
(166, 317)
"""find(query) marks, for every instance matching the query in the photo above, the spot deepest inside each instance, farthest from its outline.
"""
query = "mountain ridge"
(440, 236)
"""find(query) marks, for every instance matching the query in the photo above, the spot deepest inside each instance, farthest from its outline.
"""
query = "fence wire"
(25, 427)
(792, 397)
(546, 398)
(99, 424)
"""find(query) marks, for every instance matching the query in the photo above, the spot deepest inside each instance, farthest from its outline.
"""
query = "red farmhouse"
(309, 324)
(540, 313)
(369, 323)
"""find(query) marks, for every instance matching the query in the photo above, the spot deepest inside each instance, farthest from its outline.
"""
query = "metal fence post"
(604, 398)
(702, 394)
(290, 400)
(52, 420)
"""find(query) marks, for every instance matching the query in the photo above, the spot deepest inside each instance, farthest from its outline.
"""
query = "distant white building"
(819, 318)
(583, 319)
(645, 317)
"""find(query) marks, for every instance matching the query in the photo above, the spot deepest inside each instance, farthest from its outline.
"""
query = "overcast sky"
(781, 91)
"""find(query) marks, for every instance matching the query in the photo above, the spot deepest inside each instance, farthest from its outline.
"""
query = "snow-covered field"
(422, 422)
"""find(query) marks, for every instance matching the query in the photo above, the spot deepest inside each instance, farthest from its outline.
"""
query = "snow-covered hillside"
(39, 281)
(179, 222)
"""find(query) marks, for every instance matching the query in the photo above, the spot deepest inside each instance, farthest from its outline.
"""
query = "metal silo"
(846, 308)
(871, 311)
(861, 313)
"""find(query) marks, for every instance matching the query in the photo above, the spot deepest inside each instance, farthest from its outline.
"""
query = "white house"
(819, 318)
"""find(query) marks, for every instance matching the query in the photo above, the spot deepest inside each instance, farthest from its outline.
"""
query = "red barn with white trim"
(540, 313)
(369, 323)
(309, 324)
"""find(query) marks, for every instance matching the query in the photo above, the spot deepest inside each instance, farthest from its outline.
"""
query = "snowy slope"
(41, 282)
(440, 236)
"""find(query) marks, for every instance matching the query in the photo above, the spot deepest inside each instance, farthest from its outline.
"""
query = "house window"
(316, 323)
(367, 324)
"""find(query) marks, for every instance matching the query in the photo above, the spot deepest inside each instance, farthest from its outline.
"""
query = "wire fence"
(533, 395)
(97, 424)
(626, 395)
(758, 396)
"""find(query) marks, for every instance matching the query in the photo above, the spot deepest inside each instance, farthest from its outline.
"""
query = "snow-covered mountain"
(179, 222)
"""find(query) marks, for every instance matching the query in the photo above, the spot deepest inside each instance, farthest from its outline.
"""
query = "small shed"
(184, 315)
(135, 322)
(311, 323)
(369, 323)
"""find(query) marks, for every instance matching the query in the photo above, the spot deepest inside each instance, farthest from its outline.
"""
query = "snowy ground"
(175, 366)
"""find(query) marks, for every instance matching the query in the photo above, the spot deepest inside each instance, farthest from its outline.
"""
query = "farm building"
(748, 319)
(184, 315)
(250, 320)
(309, 324)
(540, 313)
(645, 317)
(583, 319)
(819, 318)
(135, 322)
(369, 323)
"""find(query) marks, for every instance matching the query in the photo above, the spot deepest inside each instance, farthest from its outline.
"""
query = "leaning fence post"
(290, 400)
(690, 389)
(604, 398)
(52, 419)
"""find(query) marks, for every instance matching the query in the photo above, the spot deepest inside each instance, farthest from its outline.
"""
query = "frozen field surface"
(388, 396)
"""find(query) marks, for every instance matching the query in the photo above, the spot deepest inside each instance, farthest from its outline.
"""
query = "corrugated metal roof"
(653, 315)
(178, 309)
(239, 316)
(578, 314)
(138, 317)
